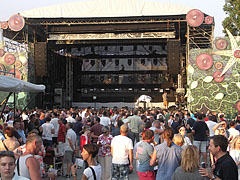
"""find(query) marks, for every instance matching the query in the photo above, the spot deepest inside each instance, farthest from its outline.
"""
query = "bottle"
(50, 168)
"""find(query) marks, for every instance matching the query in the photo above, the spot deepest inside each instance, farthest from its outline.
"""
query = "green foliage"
(232, 22)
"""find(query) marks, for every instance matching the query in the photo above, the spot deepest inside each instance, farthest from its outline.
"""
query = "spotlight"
(117, 62)
(92, 62)
(129, 62)
(102, 78)
(155, 61)
(103, 62)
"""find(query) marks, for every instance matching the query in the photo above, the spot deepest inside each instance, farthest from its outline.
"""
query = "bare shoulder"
(32, 162)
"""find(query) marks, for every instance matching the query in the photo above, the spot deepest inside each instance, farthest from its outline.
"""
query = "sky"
(210, 7)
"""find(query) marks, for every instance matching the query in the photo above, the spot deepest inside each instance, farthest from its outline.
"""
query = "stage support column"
(69, 82)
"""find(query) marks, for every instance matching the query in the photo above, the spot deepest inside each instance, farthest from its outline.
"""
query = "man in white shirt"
(210, 123)
(232, 131)
(54, 122)
(122, 155)
(105, 121)
(70, 147)
(47, 130)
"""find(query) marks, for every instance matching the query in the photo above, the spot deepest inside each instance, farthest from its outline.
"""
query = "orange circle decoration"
(16, 22)
(221, 44)
(194, 18)
(238, 105)
(237, 54)
(18, 74)
(217, 78)
(4, 25)
(204, 61)
(209, 20)
(2, 68)
(18, 64)
(218, 65)
(9, 59)
(2, 52)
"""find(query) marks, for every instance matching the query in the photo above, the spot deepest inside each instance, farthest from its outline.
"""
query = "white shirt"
(121, 146)
(105, 121)
(233, 132)
(47, 131)
(89, 174)
(210, 125)
(54, 122)
(70, 119)
(73, 137)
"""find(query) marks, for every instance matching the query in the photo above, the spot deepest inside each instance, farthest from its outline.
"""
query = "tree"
(232, 22)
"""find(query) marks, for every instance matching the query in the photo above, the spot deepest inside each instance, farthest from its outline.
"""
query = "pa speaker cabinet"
(173, 56)
(40, 52)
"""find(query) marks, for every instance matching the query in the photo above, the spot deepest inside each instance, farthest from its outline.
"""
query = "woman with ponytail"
(167, 155)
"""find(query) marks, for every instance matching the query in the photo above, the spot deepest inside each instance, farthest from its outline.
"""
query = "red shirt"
(84, 139)
(61, 133)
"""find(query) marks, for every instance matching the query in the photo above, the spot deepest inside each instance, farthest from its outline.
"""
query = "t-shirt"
(105, 121)
(54, 122)
(226, 168)
(89, 174)
(133, 123)
(144, 150)
(233, 132)
(175, 125)
(121, 146)
(73, 137)
(47, 131)
(97, 130)
(169, 158)
(200, 128)
(210, 125)
(77, 127)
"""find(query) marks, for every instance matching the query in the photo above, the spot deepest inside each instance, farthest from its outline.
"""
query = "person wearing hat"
(104, 153)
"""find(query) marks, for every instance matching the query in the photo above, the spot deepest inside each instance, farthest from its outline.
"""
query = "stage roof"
(106, 8)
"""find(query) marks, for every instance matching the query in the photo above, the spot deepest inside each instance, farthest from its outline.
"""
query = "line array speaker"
(40, 51)
(173, 56)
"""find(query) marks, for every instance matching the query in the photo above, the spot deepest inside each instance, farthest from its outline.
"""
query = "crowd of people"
(167, 145)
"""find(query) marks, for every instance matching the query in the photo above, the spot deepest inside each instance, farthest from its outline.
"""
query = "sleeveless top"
(23, 170)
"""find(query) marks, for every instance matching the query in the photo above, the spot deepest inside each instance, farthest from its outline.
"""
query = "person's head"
(123, 129)
(96, 120)
(86, 130)
(178, 139)
(32, 117)
(33, 143)
(235, 144)
(22, 125)
(218, 143)
(199, 116)
(135, 112)
(69, 125)
(119, 123)
(144, 118)
(156, 123)
(79, 118)
(147, 125)
(8, 131)
(182, 130)
(105, 130)
(190, 158)
(89, 151)
(47, 119)
(148, 135)
(7, 164)
(16, 124)
(232, 124)
(168, 136)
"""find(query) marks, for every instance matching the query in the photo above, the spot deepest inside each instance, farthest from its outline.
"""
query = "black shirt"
(191, 122)
(226, 168)
(174, 126)
(200, 128)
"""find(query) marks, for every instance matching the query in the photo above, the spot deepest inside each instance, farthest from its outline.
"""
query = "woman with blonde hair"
(178, 140)
(189, 165)
(235, 152)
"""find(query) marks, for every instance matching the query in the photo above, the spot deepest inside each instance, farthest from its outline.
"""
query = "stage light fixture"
(130, 89)
(143, 61)
(155, 61)
(129, 62)
(103, 62)
(130, 78)
(92, 62)
(102, 78)
(117, 62)
(92, 78)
